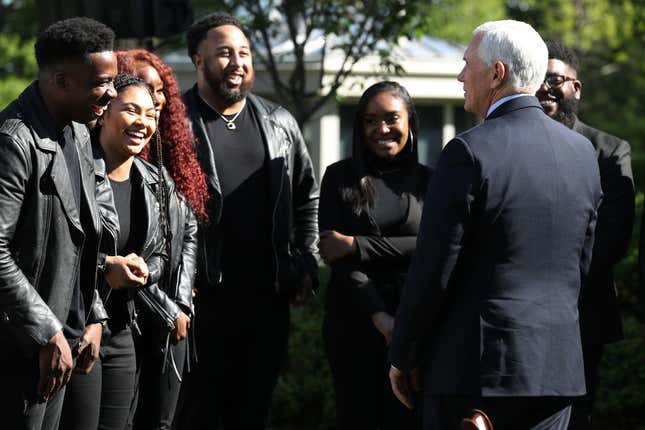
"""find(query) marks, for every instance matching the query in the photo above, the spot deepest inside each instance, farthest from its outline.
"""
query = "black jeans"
(156, 391)
(357, 356)
(19, 407)
(103, 398)
(241, 346)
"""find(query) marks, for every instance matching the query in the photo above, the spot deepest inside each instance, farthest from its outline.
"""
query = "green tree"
(17, 36)
(456, 19)
(352, 28)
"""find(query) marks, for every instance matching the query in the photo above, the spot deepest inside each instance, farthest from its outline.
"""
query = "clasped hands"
(125, 272)
(55, 358)
(334, 245)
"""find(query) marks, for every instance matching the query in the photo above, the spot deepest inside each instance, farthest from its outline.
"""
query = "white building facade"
(431, 67)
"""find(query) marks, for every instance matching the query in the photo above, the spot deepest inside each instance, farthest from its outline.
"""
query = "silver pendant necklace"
(230, 123)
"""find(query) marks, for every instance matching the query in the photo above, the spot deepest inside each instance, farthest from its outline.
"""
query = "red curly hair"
(176, 137)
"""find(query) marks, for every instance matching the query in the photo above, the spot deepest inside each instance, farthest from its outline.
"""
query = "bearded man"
(600, 317)
(259, 251)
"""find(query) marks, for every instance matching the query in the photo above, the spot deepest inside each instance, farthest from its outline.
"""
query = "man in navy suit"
(489, 313)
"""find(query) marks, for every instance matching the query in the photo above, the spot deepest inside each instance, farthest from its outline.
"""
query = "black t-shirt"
(122, 191)
(241, 162)
(128, 204)
(75, 323)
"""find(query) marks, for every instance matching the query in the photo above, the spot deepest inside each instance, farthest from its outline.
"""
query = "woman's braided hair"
(162, 192)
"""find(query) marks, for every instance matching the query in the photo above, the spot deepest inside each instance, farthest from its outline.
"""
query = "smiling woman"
(127, 126)
(370, 207)
(120, 135)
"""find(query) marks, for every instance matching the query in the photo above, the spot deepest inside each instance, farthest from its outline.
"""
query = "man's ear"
(577, 89)
(60, 79)
(499, 74)
(197, 60)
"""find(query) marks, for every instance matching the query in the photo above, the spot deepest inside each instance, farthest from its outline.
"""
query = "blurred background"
(316, 57)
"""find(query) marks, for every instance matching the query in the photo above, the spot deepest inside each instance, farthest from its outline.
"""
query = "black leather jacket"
(293, 191)
(42, 237)
(143, 176)
(176, 285)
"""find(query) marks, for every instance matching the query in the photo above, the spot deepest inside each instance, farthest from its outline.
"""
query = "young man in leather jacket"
(50, 224)
(260, 249)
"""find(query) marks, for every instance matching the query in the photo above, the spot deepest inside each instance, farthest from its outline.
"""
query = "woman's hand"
(334, 246)
(88, 348)
(385, 324)
(124, 272)
(182, 324)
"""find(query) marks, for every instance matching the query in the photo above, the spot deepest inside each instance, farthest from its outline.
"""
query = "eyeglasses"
(554, 81)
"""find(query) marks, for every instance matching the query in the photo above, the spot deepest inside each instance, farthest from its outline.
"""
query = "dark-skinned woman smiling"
(370, 209)
(102, 398)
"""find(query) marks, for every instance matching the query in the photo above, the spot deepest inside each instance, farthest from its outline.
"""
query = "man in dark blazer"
(490, 307)
(600, 318)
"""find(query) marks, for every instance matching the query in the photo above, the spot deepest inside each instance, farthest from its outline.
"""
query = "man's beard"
(229, 95)
(567, 111)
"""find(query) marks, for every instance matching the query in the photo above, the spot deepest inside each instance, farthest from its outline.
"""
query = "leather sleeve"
(98, 313)
(157, 302)
(305, 202)
(188, 262)
(31, 319)
(157, 260)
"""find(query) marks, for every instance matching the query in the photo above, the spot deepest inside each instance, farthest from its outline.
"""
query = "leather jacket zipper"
(273, 220)
(41, 264)
(170, 324)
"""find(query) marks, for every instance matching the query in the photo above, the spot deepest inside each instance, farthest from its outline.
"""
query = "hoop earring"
(411, 139)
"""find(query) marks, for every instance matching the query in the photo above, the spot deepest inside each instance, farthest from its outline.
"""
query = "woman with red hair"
(162, 351)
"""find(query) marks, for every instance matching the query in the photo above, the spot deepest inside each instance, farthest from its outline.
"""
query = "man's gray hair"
(519, 47)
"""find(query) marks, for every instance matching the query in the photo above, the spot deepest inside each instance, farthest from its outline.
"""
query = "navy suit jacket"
(491, 300)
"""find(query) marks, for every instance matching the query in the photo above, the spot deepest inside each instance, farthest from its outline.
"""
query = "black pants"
(157, 390)
(357, 355)
(583, 406)
(241, 346)
(19, 407)
(103, 398)
(505, 413)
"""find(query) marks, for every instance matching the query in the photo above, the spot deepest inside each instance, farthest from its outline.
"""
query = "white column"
(329, 140)
(448, 129)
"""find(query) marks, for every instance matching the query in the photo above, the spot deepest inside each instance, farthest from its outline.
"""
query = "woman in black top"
(163, 350)
(121, 133)
(370, 208)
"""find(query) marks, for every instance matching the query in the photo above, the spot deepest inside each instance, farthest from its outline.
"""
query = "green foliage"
(609, 36)
(10, 88)
(620, 402)
(354, 29)
(304, 395)
(456, 19)
(18, 26)
(17, 56)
